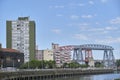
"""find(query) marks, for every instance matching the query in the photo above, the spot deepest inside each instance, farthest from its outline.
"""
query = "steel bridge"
(80, 50)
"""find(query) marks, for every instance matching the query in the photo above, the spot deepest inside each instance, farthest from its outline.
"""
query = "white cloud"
(104, 1)
(115, 21)
(96, 29)
(104, 29)
(74, 17)
(97, 23)
(111, 28)
(57, 31)
(108, 40)
(81, 4)
(87, 16)
(59, 15)
(83, 28)
(83, 24)
(74, 5)
(91, 2)
(81, 36)
(57, 6)
(78, 24)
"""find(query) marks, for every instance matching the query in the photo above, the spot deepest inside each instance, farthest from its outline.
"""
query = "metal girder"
(86, 46)
(93, 47)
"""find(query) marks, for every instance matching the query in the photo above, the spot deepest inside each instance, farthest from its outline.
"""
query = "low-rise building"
(39, 55)
(10, 58)
(44, 55)
(48, 55)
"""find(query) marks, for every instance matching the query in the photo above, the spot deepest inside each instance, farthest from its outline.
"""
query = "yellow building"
(47, 55)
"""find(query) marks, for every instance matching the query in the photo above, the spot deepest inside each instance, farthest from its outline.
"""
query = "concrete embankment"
(49, 73)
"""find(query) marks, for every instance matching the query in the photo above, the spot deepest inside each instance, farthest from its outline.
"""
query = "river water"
(91, 77)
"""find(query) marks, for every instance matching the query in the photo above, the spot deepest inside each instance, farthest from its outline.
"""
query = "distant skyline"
(67, 22)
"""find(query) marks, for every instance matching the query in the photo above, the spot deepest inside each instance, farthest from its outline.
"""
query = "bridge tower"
(88, 57)
(111, 59)
(78, 55)
(108, 58)
(105, 58)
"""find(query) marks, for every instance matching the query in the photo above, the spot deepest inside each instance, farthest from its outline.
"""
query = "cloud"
(83, 24)
(81, 36)
(102, 29)
(91, 2)
(59, 15)
(83, 16)
(104, 1)
(74, 5)
(108, 28)
(111, 28)
(96, 29)
(97, 23)
(78, 24)
(104, 40)
(57, 31)
(87, 16)
(74, 17)
(57, 6)
(109, 40)
(115, 21)
(81, 4)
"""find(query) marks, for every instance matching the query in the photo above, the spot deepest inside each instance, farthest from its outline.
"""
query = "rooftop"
(9, 50)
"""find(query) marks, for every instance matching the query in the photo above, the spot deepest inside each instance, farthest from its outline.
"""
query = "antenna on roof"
(0, 45)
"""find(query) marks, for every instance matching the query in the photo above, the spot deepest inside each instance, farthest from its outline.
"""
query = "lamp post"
(28, 63)
(13, 63)
(1, 63)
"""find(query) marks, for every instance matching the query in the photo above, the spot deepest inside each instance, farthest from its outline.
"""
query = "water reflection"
(90, 77)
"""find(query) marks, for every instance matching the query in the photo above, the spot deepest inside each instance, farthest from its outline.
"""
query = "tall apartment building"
(21, 36)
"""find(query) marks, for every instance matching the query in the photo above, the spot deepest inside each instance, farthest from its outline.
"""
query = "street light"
(1, 63)
(13, 65)
(28, 63)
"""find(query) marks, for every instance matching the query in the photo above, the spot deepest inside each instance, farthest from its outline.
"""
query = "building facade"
(21, 36)
(44, 55)
(48, 55)
(61, 57)
(39, 55)
(10, 58)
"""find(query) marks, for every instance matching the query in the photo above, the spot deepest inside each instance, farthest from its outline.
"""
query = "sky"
(67, 22)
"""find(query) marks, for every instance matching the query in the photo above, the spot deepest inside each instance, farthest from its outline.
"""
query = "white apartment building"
(21, 36)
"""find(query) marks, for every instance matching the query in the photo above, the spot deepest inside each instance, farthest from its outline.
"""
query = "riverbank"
(50, 73)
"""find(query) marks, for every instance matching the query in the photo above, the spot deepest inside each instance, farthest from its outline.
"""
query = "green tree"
(118, 63)
(84, 65)
(74, 65)
(38, 64)
(34, 64)
(99, 64)
(65, 65)
(24, 66)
